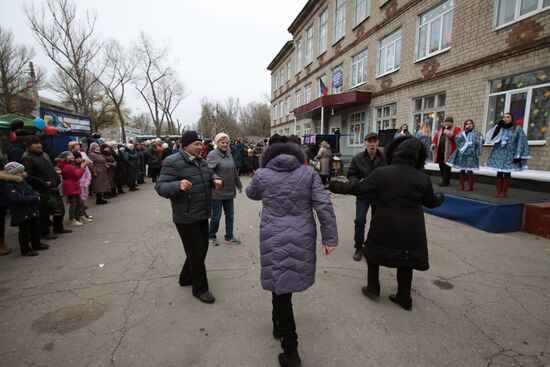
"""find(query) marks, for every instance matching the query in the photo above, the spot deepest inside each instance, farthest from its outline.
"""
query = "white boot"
(83, 219)
(75, 223)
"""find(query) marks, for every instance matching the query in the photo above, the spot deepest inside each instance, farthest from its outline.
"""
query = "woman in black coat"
(397, 235)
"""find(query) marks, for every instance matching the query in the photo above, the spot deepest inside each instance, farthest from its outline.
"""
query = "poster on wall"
(67, 122)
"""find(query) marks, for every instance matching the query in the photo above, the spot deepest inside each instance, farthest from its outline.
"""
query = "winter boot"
(290, 360)
(461, 181)
(4, 249)
(99, 200)
(499, 186)
(470, 183)
(504, 189)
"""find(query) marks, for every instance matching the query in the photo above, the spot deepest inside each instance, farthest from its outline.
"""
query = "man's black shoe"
(290, 360)
(370, 293)
(41, 247)
(206, 297)
(63, 230)
(48, 236)
(358, 254)
(405, 304)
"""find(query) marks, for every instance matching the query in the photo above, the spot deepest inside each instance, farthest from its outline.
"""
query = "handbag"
(316, 165)
(55, 203)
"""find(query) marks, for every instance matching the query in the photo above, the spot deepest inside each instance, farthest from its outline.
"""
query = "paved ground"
(107, 295)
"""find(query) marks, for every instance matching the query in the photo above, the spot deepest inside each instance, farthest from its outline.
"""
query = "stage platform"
(480, 209)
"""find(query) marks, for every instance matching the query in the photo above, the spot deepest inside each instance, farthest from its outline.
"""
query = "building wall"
(478, 54)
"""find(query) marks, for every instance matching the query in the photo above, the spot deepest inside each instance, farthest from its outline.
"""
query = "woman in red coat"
(71, 173)
(443, 146)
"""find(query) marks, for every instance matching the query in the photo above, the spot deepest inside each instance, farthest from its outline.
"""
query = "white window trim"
(309, 46)
(321, 50)
(298, 48)
(525, 126)
(389, 117)
(365, 65)
(357, 22)
(378, 58)
(418, 34)
(435, 109)
(360, 144)
(518, 19)
(337, 39)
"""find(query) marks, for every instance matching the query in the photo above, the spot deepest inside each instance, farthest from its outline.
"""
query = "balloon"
(39, 123)
(12, 136)
(50, 130)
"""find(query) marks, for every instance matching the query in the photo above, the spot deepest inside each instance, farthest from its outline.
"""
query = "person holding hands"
(187, 181)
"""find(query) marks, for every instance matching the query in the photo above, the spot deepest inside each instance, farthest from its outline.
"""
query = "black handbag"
(55, 203)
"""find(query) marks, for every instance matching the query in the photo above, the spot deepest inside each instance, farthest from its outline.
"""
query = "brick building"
(383, 63)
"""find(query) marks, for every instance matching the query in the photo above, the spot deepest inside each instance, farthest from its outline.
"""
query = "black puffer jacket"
(40, 169)
(397, 235)
(192, 205)
(362, 165)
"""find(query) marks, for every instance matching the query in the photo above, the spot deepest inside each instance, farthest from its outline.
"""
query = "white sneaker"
(213, 242)
(75, 223)
(83, 219)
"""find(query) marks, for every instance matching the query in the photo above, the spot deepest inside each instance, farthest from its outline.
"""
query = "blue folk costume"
(466, 157)
(509, 154)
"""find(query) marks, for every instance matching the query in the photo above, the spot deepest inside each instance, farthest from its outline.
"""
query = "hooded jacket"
(19, 197)
(71, 177)
(397, 234)
(289, 192)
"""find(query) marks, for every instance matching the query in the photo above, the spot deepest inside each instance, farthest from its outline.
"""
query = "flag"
(323, 88)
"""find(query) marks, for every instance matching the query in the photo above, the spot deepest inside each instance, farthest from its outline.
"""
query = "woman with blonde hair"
(424, 134)
(220, 161)
(323, 157)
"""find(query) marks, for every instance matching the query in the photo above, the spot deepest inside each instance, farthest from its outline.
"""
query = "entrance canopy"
(332, 104)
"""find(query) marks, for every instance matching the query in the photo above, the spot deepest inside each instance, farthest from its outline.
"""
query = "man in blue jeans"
(361, 167)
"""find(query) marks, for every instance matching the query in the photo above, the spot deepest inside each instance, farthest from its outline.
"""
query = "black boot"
(290, 360)
(120, 191)
(406, 304)
(99, 200)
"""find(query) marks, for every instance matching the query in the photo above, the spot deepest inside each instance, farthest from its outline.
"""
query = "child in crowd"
(71, 174)
(85, 181)
(23, 203)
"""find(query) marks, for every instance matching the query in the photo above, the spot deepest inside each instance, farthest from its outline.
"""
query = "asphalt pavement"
(108, 295)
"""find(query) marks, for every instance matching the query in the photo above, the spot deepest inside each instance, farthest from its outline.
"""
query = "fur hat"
(13, 167)
(220, 137)
(188, 137)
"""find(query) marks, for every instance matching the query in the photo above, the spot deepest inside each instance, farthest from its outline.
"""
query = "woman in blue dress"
(469, 145)
(509, 154)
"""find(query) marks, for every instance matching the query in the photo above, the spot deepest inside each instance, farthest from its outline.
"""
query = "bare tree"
(143, 122)
(152, 70)
(119, 71)
(255, 119)
(217, 117)
(14, 75)
(172, 92)
(70, 44)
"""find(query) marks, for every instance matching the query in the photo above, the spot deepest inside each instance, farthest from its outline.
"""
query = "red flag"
(323, 88)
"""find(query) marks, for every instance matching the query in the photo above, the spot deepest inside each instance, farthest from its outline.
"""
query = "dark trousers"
(283, 320)
(76, 207)
(404, 280)
(29, 235)
(3, 211)
(194, 237)
(445, 172)
(361, 210)
(324, 179)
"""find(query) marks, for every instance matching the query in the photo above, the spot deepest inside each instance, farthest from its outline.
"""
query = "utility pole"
(34, 89)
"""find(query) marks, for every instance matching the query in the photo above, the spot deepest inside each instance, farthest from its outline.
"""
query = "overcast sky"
(222, 47)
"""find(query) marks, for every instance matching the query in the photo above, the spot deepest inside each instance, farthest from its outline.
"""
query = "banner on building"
(67, 122)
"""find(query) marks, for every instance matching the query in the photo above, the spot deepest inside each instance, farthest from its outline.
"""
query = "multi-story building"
(371, 65)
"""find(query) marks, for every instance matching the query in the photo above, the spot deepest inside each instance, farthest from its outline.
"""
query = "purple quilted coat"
(289, 191)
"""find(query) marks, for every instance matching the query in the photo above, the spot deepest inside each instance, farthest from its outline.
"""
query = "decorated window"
(337, 79)
(527, 97)
(435, 30)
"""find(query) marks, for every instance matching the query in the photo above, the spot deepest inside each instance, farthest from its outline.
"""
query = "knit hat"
(13, 167)
(220, 137)
(77, 155)
(188, 137)
(449, 119)
(63, 155)
(94, 147)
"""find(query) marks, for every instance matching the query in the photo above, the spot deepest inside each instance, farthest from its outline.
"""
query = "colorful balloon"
(39, 123)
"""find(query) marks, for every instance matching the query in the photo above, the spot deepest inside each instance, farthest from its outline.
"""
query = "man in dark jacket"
(43, 178)
(187, 181)
(360, 168)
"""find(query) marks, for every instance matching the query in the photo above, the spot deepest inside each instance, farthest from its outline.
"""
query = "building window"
(356, 128)
(510, 11)
(389, 54)
(429, 109)
(307, 129)
(382, 2)
(281, 109)
(297, 130)
(297, 99)
(287, 102)
(323, 28)
(359, 68)
(339, 20)
(307, 93)
(385, 117)
(338, 79)
(298, 56)
(309, 45)
(282, 76)
(527, 98)
(362, 11)
(288, 70)
(435, 30)
(275, 81)
(274, 111)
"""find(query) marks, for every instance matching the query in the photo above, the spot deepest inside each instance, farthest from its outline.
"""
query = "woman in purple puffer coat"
(289, 191)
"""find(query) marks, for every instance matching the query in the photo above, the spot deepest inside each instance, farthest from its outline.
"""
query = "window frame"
(517, 13)
(364, 61)
(287, 103)
(337, 90)
(323, 41)
(342, 8)
(309, 46)
(351, 142)
(417, 57)
(378, 121)
(288, 72)
(437, 108)
(307, 93)
(282, 76)
(356, 20)
(395, 58)
(298, 47)
(298, 98)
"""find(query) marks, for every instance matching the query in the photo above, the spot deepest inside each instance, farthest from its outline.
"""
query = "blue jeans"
(229, 211)
(361, 210)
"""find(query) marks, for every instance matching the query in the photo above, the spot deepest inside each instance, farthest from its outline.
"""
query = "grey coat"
(192, 205)
(289, 191)
(100, 177)
(222, 164)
